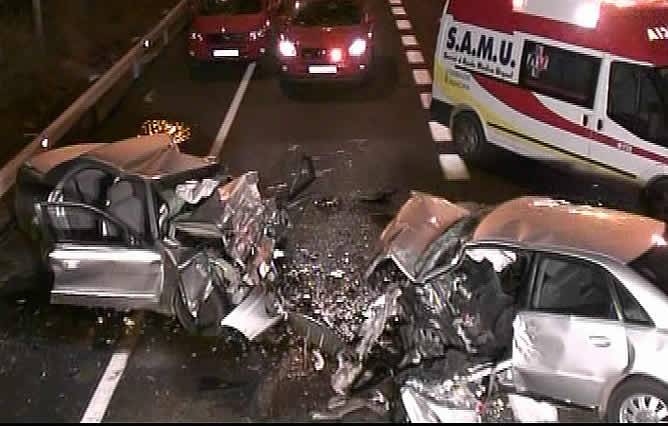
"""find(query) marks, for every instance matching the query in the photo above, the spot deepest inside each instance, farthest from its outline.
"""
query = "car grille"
(313, 53)
(226, 37)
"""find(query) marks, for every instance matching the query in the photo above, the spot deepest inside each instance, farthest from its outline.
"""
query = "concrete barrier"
(95, 104)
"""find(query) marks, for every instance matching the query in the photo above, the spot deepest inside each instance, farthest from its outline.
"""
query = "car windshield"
(653, 265)
(236, 7)
(329, 13)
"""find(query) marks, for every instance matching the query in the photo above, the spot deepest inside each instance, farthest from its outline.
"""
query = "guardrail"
(96, 102)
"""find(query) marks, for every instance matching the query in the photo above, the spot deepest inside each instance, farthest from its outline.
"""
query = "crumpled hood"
(231, 23)
(325, 37)
(420, 223)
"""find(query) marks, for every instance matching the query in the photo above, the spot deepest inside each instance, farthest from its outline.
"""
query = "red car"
(326, 40)
(224, 30)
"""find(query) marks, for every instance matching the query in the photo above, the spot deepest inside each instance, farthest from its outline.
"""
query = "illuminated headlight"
(357, 48)
(287, 48)
(254, 35)
(196, 36)
(335, 55)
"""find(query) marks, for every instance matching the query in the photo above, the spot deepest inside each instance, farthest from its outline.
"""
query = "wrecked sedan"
(137, 224)
(543, 299)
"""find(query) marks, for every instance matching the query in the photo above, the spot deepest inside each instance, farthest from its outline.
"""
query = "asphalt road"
(363, 139)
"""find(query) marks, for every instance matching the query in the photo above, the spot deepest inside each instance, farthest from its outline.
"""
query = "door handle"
(599, 125)
(585, 120)
(600, 341)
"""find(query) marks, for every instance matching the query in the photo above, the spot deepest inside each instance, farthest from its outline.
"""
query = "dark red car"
(326, 40)
(231, 29)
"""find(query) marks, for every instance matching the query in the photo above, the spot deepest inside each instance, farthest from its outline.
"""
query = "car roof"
(544, 222)
(149, 157)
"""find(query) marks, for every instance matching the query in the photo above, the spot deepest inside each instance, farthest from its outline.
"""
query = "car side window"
(634, 102)
(550, 70)
(82, 224)
(572, 287)
(631, 309)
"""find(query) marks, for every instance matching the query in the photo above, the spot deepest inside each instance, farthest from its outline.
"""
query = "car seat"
(126, 206)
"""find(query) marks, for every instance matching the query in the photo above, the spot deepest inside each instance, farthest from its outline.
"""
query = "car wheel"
(469, 138)
(286, 85)
(207, 322)
(657, 200)
(639, 400)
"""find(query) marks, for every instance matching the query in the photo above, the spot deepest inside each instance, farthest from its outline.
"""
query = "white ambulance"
(582, 80)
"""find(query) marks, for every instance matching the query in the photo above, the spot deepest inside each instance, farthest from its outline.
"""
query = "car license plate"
(322, 69)
(226, 53)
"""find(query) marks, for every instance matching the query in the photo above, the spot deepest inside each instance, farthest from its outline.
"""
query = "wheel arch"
(610, 390)
(458, 109)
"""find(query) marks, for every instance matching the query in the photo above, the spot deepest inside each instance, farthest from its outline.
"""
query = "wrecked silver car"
(137, 224)
(537, 300)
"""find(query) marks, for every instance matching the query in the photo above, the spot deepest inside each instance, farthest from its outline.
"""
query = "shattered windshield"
(236, 7)
(653, 265)
(329, 12)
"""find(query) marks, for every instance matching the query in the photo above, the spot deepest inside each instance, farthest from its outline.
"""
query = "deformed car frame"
(571, 299)
(138, 224)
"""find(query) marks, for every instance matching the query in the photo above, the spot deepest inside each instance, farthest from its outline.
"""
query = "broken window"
(570, 287)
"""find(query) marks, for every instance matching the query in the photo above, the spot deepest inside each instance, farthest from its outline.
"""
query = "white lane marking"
(232, 112)
(453, 167)
(98, 404)
(439, 133)
(399, 11)
(414, 57)
(421, 77)
(395, 2)
(425, 98)
(404, 24)
(409, 40)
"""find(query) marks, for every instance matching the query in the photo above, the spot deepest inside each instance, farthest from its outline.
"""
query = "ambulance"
(584, 81)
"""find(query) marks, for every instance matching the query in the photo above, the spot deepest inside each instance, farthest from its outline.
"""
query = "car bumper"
(227, 53)
(309, 71)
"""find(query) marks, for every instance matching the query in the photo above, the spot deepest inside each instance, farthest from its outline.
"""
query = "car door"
(96, 260)
(569, 341)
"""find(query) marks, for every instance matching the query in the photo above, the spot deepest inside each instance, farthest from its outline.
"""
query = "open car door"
(97, 261)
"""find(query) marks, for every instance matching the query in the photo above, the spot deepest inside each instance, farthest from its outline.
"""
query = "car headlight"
(287, 48)
(357, 48)
(196, 36)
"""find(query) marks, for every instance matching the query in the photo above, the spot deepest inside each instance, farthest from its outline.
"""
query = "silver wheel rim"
(643, 408)
(467, 137)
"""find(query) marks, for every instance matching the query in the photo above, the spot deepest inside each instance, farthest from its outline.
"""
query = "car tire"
(286, 85)
(469, 138)
(656, 198)
(634, 392)
(207, 323)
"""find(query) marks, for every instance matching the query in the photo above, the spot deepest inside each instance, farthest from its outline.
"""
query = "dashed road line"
(452, 165)
(439, 133)
(409, 40)
(425, 98)
(398, 11)
(414, 57)
(404, 24)
(421, 77)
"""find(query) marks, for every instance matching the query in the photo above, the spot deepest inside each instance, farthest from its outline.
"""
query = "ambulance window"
(549, 70)
(637, 100)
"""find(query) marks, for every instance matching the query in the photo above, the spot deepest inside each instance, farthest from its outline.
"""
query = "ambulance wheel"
(469, 138)
(657, 200)
(207, 322)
